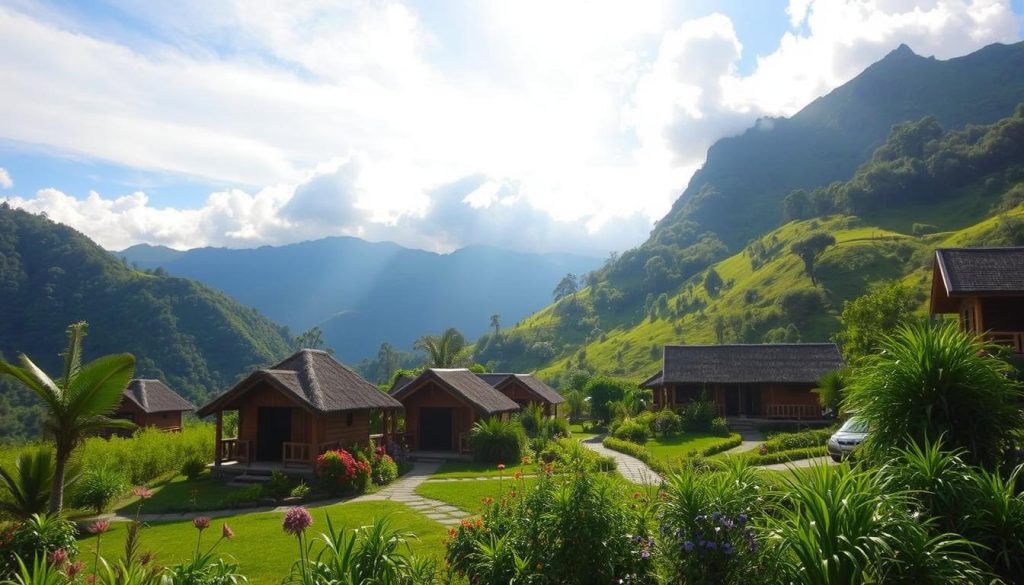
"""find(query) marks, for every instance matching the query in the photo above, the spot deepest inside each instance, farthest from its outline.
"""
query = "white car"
(847, 438)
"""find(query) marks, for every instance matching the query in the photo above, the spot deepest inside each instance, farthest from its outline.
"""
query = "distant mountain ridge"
(195, 339)
(362, 294)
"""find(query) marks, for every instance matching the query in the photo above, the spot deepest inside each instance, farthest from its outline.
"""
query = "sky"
(548, 126)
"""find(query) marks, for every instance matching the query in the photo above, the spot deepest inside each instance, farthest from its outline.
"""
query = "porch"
(777, 402)
(1011, 339)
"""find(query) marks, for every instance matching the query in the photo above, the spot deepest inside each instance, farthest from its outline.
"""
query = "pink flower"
(58, 557)
(296, 521)
(501, 467)
(226, 532)
(142, 492)
(201, 522)
(99, 527)
(73, 569)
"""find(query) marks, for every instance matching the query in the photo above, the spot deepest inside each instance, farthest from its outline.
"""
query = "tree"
(566, 287)
(868, 318)
(713, 282)
(719, 329)
(809, 248)
(387, 361)
(78, 402)
(29, 485)
(312, 339)
(496, 324)
(576, 403)
(602, 391)
(932, 382)
(797, 205)
(448, 350)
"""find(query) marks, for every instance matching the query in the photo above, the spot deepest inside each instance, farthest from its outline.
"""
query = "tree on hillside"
(566, 287)
(868, 318)
(448, 350)
(809, 248)
(78, 402)
(387, 361)
(713, 282)
(797, 205)
(312, 339)
(496, 324)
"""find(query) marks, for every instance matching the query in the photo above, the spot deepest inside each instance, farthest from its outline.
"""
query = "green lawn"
(679, 446)
(454, 469)
(261, 548)
(178, 494)
(579, 433)
(468, 495)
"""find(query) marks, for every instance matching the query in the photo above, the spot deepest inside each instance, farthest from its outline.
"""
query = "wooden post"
(314, 437)
(219, 437)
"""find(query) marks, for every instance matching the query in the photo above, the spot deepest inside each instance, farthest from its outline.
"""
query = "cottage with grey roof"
(526, 389)
(772, 381)
(984, 287)
(150, 403)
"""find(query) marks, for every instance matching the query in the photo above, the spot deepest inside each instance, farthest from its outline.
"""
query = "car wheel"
(836, 458)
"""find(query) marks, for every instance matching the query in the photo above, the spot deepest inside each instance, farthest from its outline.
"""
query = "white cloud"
(5, 179)
(581, 120)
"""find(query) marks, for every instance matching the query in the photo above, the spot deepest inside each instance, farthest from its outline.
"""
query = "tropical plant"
(531, 418)
(497, 441)
(830, 390)
(28, 484)
(40, 534)
(77, 402)
(576, 402)
(448, 350)
(931, 381)
(98, 486)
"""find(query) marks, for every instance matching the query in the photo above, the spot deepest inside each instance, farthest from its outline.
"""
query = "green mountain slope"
(196, 339)
(922, 189)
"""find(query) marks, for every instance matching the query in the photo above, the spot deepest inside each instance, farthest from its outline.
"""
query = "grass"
(261, 548)
(578, 432)
(468, 495)
(461, 469)
(175, 494)
(672, 448)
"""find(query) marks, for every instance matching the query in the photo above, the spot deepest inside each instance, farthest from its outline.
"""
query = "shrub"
(149, 453)
(497, 441)
(531, 418)
(632, 430)
(40, 535)
(698, 415)
(243, 497)
(799, 440)
(719, 427)
(556, 428)
(28, 483)
(934, 381)
(666, 423)
(301, 490)
(98, 487)
(384, 470)
(339, 471)
(278, 486)
(193, 468)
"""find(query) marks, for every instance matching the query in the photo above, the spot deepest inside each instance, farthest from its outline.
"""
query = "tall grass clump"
(933, 380)
(497, 441)
(149, 453)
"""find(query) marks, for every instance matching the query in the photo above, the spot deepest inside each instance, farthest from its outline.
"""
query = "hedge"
(787, 456)
(660, 465)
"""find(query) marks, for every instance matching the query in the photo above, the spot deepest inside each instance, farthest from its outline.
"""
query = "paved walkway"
(799, 463)
(403, 491)
(744, 447)
(630, 467)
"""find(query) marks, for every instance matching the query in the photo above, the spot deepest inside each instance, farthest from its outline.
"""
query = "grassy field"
(455, 469)
(261, 548)
(578, 432)
(178, 494)
(469, 495)
(672, 448)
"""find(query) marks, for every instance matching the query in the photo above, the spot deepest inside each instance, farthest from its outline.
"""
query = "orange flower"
(663, 495)
(488, 501)
(518, 475)
(636, 495)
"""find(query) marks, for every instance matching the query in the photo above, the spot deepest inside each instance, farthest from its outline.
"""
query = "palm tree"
(78, 402)
(449, 350)
(29, 484)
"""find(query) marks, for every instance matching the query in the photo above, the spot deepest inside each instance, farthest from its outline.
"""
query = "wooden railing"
(1013, 339)
(793, 411)
(296, 453)
(234, 450)
(328, 446)
(464, 443)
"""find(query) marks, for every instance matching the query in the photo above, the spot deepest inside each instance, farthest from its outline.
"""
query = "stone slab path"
(631, 468)
(743, 447)
(403, 491)
(799, 463)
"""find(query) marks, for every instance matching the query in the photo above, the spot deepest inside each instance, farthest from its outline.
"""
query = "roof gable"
(802, 363)
(317, 381)
(968, 271)
(154, 396)
(463, 384)
(536, 386)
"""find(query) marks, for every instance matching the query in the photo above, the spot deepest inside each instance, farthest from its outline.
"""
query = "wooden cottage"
(526, 389)
(290, 413)
(772, 381)
(441, 406)
(150, 403)
(985, 288)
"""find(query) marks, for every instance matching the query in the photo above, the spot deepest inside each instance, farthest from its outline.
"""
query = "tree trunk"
(57, 490)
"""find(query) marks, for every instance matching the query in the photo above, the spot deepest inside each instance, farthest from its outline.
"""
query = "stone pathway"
(743, 447)
(631, 468)
(403, 491)
(799, 463)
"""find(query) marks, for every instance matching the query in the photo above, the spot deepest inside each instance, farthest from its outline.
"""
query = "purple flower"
(296, 521)
(727, 548)
(201, 522)
(742, 518)
(645, 554)
(709, 544)
(688, 545)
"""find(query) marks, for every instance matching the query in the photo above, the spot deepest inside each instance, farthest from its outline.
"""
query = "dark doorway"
(732, 400)
(742, 401)
(273, 429)
(436, 429)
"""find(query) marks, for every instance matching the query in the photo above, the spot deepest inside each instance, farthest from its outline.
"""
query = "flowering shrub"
(39, 535)
(340, 471)
(383, 469)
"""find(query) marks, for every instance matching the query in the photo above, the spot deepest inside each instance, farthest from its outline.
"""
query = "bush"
(149, 453)
(799, 440)
(193, 468)
(497, 441)
(531, 418)
(556, 428)
(301, 490)
(786, 456)
(719, 427)
(666, 423)
(98, 487)
(242, 498)
(41, 534)
(632, 430)
(340, 472)
(383, 469)
(278, 486)
(699, 415)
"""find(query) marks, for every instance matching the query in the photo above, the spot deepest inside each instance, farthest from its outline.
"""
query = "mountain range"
(362, 294)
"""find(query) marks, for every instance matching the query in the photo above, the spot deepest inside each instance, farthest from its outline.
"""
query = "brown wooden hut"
(984, 287)
(150, 403)
(290, 413)
(441, 406)
(526, 389)
(771, 381)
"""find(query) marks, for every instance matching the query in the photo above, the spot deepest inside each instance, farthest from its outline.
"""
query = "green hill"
(194, 338)
(923, 188)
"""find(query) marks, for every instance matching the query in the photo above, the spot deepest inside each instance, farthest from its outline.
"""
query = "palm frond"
(73, 354)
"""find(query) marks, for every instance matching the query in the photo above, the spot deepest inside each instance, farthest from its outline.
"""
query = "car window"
(854, 425)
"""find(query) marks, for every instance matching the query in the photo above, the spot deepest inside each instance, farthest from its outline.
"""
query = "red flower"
(636, 495)
(73, 569)
(518, 475)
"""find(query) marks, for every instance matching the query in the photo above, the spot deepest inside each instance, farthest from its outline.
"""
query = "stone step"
(247, 479)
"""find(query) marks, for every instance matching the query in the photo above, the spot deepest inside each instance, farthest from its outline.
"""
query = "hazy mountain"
(362, 293)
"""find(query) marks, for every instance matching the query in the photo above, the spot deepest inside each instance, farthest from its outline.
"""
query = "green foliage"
(383, 469)
(799, 440)
(193, 468)
(719, 427)
(98, 487)
(712, 282)
(448, 350)
(809, 248)
(150, 453)
(634, 430)
(830, 390)
(666, 423)
(28, 483)
(279, 486)
(565, 287)
(531, 418)
(602, 391)
(497, 441)
(934, 381)
(40, 534)
(699, 415)
(867, 319)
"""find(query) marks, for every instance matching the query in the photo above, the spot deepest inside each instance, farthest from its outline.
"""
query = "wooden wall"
(521, 395)
(432, 395)
(128, 410)
(346, 428)
(770, 393)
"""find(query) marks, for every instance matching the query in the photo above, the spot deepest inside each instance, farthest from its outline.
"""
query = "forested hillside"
(196, 339)
(923, 188)
(362, 294)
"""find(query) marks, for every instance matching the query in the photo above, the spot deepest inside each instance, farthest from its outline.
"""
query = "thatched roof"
(961, 272)
(532, 383)
(315, 380)
(798, 363)
(465, 385)
(154, 396)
